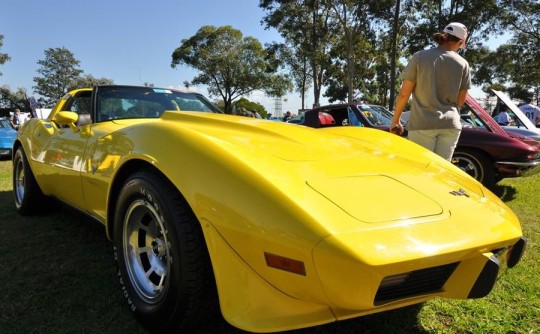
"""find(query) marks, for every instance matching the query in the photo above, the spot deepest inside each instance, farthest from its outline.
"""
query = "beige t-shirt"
(438, 75)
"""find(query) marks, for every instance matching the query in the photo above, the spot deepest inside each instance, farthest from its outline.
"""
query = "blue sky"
(130, 42)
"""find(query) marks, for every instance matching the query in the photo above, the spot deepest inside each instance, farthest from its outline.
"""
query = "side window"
(353, 120)
(81, 104)
(340, 115)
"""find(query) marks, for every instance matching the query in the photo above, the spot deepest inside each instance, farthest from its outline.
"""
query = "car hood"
(524, 135)
(359, 170)
(517, 112)
(8, 133)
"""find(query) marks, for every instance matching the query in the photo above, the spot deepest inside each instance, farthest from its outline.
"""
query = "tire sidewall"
(18, 159)
(33, 200)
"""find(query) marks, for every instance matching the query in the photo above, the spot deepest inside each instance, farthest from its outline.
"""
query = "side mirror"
(67, 118)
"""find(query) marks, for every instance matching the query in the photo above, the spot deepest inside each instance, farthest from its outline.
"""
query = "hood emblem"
(459, 192)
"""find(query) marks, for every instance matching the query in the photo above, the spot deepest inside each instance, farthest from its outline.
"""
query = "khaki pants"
(441, 141)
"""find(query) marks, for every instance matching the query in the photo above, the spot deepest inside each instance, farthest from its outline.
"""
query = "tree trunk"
(393, 56)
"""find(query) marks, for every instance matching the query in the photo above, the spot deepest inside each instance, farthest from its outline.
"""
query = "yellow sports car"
(283, 226)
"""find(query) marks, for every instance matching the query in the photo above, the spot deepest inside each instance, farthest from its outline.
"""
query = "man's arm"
(461, 98)
(401, 102)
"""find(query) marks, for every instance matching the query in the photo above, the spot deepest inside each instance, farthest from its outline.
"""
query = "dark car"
(485, 151)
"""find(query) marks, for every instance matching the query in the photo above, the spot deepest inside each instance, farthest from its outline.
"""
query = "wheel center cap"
(157, 247)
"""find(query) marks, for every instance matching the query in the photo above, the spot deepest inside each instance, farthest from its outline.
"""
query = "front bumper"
(487, 278)
(5, 152)
(512, 168)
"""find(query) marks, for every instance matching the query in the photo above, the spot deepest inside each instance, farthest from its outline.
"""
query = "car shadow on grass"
(59, 276)
(404, 320)
(504, 192)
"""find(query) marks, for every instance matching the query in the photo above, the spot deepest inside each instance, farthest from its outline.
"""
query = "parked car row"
(485, 151)
(283, 225)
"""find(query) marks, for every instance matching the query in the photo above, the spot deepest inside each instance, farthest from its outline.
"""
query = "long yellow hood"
(357, 169)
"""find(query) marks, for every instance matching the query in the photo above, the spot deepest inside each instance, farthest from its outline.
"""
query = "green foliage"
(86, 81)
(249, 105)
(4, 57)
(58, 70)
(17, 99)
(349, 47)
(522, 54)
(219, 103)
(306, 28)
(229, 64)
(297, 62)
(60, 73)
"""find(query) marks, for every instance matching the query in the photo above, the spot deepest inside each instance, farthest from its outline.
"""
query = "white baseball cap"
(457, 29)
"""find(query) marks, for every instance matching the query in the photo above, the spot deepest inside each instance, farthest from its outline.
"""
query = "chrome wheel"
(18, 180)
(477, 164)
(469, 166)
(146, 250)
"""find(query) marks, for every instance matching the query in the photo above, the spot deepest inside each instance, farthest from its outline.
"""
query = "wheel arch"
(125, 171)
(488, 177)
(473, 149)
(16, 145)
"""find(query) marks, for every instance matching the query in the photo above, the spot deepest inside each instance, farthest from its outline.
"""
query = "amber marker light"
(284, 263)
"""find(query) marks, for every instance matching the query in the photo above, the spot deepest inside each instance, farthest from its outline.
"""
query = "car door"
(62, 154)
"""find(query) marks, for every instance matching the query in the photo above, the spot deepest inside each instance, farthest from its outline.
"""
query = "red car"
(485, 151)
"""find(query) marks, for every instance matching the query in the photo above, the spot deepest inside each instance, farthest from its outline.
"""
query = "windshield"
(376, 115)
(4, 123)
(469, 119)
(120, 102)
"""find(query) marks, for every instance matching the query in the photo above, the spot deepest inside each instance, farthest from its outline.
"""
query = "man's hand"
(396, 128)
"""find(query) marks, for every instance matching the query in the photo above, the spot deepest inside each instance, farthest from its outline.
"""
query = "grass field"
(58, 276)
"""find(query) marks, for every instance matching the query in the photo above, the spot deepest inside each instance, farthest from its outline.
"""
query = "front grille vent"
(414, 283)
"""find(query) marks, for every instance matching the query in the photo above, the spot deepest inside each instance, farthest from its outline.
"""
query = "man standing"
(438, 79)
(531, 111)
(15, 120)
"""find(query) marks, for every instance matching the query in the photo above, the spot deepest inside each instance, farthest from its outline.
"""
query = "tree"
(514, 66)
(305, 26)
(229, 64)
(522, 17)
(58, 70)
(249, 105)
(338, 38)
(357, 22)
(12, 100)
(394, 41)
(4, 57)
(296, 62)
(88, 80)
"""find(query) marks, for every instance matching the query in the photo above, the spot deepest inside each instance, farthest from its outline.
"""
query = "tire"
(163, 264)
(29, 198)
(477, 164)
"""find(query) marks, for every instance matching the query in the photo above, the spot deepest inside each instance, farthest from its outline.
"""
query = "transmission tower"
(278, 111)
